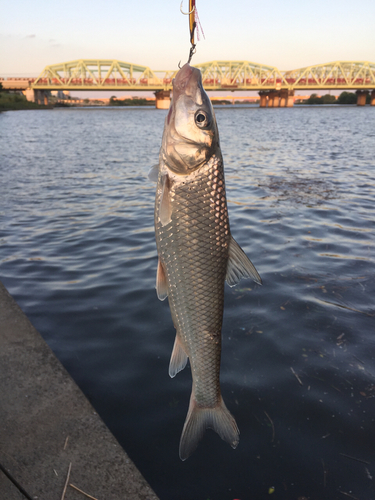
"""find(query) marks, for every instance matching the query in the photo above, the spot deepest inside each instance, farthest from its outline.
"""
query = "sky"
(288, 34)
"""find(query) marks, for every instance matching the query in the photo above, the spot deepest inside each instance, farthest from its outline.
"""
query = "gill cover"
(190, 132)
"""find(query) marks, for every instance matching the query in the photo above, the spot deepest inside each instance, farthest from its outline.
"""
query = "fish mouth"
(186, 81)
(182, 76)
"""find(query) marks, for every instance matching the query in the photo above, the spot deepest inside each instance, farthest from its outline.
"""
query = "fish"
(196, 252)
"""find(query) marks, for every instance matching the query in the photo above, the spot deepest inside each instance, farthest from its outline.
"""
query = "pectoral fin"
(161, 282)
(240, 266)
(165, 209)
(154, 173)
(178, 358)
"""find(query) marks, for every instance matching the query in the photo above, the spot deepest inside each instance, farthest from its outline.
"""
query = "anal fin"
(178, 358)
(239, 265)
(161, 282)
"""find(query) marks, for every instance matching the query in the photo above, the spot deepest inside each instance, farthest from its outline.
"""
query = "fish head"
(190, 131)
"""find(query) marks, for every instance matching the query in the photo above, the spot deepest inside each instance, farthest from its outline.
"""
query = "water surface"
(77, 252)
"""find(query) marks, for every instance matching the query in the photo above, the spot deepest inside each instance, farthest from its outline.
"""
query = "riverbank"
(51, 437)
(11, 102)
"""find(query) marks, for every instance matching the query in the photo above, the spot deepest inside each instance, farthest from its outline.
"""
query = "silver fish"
(196, 252)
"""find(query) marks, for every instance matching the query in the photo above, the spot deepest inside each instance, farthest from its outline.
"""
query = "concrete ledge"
(40, 407)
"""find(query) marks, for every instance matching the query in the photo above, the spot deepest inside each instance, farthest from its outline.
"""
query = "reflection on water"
(77, 251)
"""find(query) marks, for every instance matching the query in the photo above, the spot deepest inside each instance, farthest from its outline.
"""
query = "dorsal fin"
(239, 265)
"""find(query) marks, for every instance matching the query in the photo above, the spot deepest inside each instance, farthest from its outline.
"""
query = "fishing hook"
(186, 13)
(192, 52)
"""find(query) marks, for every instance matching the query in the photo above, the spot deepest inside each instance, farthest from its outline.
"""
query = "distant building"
(61, 94)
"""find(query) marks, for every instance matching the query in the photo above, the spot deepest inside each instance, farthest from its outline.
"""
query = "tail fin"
(199, 419)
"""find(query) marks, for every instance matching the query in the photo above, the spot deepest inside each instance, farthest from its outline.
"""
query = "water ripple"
(298, 369)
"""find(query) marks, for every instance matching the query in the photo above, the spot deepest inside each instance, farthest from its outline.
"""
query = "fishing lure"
(194, 26)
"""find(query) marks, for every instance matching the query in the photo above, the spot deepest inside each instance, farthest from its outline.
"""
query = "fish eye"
(202, 119)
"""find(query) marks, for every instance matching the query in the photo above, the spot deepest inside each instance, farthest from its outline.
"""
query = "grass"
(17, 101)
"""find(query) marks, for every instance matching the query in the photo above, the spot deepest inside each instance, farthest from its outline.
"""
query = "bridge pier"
(271, 98)
(283, 98)
(263, 99)
(276, 98)
(290, 99)
(162, 99)
(29, 94)
(361, 97)
(286, 98)
(372, 101)
(39, 96)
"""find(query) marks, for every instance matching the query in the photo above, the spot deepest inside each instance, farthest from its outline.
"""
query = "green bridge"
(275, 87)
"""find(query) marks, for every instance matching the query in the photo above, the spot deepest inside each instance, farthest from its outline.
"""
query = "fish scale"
(199, 229)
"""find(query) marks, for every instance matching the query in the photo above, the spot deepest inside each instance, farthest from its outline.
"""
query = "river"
(77, 252)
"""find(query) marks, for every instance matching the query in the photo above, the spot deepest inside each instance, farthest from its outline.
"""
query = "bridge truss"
(92, 74)
(238, 75)
(338, 75)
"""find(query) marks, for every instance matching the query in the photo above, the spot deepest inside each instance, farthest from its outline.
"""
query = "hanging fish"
(196, 252)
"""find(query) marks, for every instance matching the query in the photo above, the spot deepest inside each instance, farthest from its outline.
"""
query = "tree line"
(343, 98)
(134, 101)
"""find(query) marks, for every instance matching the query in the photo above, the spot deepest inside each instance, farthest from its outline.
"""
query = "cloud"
(30, 36)
(54, 43)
